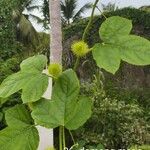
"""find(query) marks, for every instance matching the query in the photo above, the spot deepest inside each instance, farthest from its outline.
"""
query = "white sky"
(119, 3)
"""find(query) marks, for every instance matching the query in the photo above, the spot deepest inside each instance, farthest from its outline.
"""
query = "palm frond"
(32, 8)
(27, 33)
(82, 10)
(68, 8)
(109, 7)
(36, 18)
(27, 3)
(16, 16)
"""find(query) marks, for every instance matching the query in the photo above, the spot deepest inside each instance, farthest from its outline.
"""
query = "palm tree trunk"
(56, 33)
(46, 135)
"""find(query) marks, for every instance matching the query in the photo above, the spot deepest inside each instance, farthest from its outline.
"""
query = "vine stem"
(72, 137)
(76, 64)
(86, 31)
(64, 140)
(101, 13)
(60, 138)
(91, 20)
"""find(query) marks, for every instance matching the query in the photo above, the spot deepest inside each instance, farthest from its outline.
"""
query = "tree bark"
(56, 33)
(46, 135)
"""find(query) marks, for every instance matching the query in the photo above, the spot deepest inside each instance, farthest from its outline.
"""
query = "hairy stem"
(90, 21)
(76, 64)
(72, 137)
(60, 138)
(64, 139)
(101, 12)
(85, 32)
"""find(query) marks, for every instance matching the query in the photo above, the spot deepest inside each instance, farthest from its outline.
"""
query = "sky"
(119, 3)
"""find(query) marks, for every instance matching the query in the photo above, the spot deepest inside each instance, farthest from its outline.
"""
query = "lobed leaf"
(64, 106)
(48, 113)
(119, 45)
(107, 57)
(25, 138)
(30, 80)
(20, 133)
(114, 26)
(18, 116)
(35, 63)
(80, 115)
(135, 50)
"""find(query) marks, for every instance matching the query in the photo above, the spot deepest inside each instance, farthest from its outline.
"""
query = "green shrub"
(114, 123)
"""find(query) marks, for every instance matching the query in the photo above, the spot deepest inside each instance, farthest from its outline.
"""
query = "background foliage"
(127, 90)
(124, 99)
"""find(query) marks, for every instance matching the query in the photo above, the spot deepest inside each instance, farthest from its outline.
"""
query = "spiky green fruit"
(80, 48)
(55, 70)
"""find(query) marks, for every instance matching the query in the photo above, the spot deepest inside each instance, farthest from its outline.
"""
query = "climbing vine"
(65, 109)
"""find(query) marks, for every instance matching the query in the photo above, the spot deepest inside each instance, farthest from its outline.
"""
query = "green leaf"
(67, 86)
(35, 88)
(33, 85)
(3, 100)
(48, 113)
(25, 138)
(64, 105)
(114, 26)
(34, 63)
(20, 133)
(119, 45)
(80, 114)
(100, 146)
(107, 57)
(66, 91)
(18, 116)
(30, 79)
(11, 85)
(135, 50)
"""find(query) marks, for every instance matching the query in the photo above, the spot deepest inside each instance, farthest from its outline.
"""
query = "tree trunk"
(46, 135)
(56, 33)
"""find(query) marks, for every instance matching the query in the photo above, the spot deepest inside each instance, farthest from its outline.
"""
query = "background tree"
(56, 33)
(69, 7)
(145, 8)
(26, 33)
(109, 7)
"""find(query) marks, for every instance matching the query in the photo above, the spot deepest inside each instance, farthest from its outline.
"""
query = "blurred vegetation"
(117, 122)
(19, 40)
(145, 8)
(121, 116)
(69, 7)
(109, 7)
